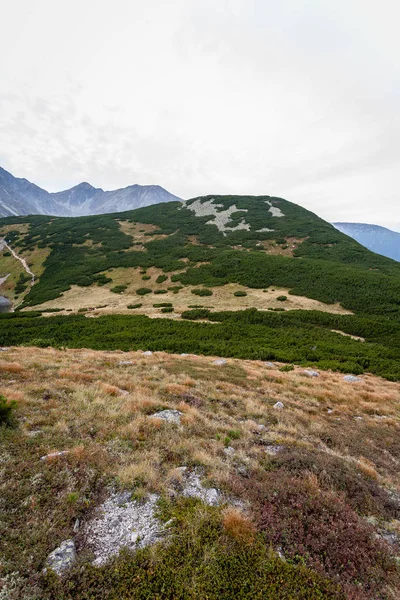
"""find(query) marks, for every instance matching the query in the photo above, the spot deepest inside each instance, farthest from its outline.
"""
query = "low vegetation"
(314, 515)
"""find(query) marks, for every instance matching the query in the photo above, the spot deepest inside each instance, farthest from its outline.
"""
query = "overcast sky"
(293, 98)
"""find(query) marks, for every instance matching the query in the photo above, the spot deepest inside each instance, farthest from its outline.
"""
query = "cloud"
(293, 99)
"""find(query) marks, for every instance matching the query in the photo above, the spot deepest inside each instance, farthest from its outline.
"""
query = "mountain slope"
(378, 239)
(212, 259)
(20, 197)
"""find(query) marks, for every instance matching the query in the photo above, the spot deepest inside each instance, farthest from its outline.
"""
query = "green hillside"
(253, 242)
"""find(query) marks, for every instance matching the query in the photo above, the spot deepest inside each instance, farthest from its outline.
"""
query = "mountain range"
(378, 239)
(21, 197)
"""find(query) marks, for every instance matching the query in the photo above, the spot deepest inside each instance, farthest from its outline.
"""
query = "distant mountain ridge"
(374, 237)
(21, 197)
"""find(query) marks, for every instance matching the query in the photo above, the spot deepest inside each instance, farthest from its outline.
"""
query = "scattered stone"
(126, 362)
(123, 523)
(270, 365)
(123, 392)
(184, 354)
(220, 361)
(311, 373)
(351, 378)
(34, 432)
(4, 349)
(273, 450)
(54, 455)
(279, 405)
(148, 353)
(76, 526)
(62, 558)
(329, 411)
(229, 451)
(358, 418)
(169, 415)
(193, 488)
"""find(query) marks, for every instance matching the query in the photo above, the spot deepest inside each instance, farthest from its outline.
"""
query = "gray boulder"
(62, 558)
(311, 373)
(351, 378)
(279, 405)
(170, 416)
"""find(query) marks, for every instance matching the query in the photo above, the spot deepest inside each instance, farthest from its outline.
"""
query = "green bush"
(161, 278)
(143, 291)
(130, 306)
(167, 309)
(162, 305)
(240, 293)
(175, 288)
(202, 292)
(118, 289)
(146, 277)
(7, 412)
(160, 291)
(282, 298)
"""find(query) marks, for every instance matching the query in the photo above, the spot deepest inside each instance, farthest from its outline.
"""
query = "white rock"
(169, 415)
(62, 558)
(279, 405)
(351, 378)
(229, 451)
(126, 362)
(54, 454)
(220, 361)
(273, 450)
(148, 353)
(270, 365)
(120, 522)
(311, 373)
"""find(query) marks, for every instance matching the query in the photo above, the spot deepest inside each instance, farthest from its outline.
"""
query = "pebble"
(351, 378)
(279, 405)
(148, 353)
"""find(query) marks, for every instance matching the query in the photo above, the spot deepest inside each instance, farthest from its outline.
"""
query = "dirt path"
(3, 244)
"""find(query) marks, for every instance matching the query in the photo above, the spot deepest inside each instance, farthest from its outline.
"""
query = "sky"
(298, 99)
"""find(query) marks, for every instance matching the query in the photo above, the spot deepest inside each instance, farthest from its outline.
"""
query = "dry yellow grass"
(222, 299)
(106, 405)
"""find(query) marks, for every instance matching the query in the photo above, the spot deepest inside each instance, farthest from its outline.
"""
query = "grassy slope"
(322, 498)
(325, 265)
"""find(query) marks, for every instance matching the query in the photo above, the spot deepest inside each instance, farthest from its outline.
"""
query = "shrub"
(286, 368)
(162, 305)
(160, 291)
(210, 555)
(202, 292)
(143, 291)
(167, 309)
(130, 306)
(161, 278)
(146, 277)
(82, 310)
(316, 528)
(118, 289)
(194, 315)
(240, 293)
(6, 412)
(282, 298)
(175, 288)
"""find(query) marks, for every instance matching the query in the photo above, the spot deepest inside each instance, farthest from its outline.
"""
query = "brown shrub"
(238, 526)
(11, 367)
